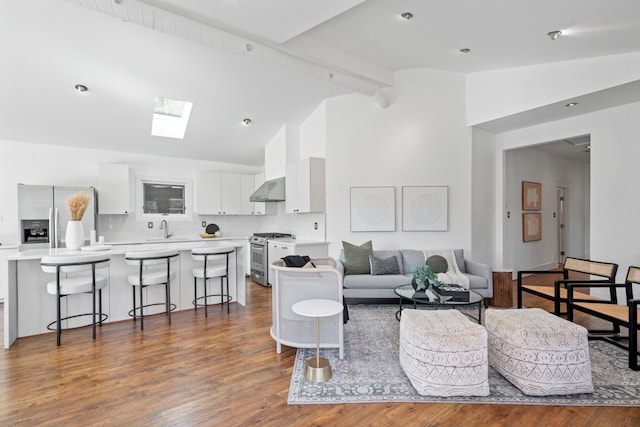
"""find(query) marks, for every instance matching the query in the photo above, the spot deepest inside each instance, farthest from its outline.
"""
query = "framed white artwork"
(424, 208)
(373, 208)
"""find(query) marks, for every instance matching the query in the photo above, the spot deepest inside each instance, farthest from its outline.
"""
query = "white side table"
(318, 369)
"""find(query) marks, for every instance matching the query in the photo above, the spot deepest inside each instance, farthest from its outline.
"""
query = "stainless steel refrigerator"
(43, 214)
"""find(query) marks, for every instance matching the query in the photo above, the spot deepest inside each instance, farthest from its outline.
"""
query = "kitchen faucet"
(165, 227)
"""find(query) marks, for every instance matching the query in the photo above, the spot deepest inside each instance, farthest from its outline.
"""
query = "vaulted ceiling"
(272, 62)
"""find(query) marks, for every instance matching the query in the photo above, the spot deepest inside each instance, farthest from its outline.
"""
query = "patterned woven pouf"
(443, 353)
(540, 353)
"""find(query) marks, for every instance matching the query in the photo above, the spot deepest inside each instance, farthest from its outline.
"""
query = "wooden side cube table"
(502, 289)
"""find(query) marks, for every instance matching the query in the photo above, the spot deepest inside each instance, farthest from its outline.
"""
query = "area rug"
(370, 372)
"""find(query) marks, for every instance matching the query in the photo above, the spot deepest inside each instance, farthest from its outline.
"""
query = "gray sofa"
(382, 286)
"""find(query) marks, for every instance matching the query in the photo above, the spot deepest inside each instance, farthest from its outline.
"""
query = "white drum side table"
(318, 369)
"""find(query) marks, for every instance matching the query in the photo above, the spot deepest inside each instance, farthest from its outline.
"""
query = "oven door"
(258, 262)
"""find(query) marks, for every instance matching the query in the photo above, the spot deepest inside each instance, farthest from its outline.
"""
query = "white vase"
(75, 235)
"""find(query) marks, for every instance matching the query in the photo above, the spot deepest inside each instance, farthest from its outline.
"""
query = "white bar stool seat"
(76, 274)
(154, 268)
(215, 263)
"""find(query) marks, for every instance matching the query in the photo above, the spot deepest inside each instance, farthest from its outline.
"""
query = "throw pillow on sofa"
(438, 264)
(356, 258)
(381, 266)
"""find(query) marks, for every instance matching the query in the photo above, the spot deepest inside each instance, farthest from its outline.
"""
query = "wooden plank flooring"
(223, 370)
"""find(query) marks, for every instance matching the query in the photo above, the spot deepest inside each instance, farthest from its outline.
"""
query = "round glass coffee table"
(434, 301)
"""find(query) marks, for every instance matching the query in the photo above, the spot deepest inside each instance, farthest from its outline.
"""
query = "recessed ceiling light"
(571, 104)
(465, 50)
(246, 122)
(554, 34)
(81, 88)
(406, 15)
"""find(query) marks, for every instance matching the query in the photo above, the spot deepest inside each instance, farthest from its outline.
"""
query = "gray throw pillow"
(356, 258)
(381, 266)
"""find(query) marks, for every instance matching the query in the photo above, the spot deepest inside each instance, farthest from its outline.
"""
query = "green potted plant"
(422, 276)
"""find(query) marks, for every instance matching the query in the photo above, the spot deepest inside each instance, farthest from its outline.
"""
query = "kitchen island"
(28, 308)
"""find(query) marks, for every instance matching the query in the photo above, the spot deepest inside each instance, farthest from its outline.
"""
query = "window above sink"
(163, 198)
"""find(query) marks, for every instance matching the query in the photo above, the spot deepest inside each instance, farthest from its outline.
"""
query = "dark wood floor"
(223, 370)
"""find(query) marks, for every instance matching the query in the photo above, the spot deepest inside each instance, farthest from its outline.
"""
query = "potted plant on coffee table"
(422, 277)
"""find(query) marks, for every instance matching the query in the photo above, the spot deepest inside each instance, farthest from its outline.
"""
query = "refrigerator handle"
(55, 226)
(52, 233)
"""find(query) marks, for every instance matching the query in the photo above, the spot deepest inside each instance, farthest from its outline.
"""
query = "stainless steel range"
(259, 255)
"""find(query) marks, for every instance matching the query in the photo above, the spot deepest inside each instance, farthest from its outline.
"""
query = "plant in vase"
(77, 204)
(422, 276)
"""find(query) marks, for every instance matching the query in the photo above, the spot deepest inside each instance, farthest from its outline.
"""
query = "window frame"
(188, 198)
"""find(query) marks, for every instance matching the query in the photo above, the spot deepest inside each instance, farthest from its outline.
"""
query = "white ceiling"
(270, 61)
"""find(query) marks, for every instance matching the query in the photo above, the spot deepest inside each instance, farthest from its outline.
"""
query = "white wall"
(275, 155)
(420, 139)
(313, 133)
(483, 224)
(28, 163)
(499, 93)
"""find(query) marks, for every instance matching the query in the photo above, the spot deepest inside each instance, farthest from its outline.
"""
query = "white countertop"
(178, 239)
(122, 248)
(300, 242)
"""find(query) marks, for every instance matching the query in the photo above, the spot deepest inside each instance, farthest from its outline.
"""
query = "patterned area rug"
(370, 372)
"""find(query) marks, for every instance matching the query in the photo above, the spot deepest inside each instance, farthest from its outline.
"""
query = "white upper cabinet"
(230, 191)
(209, 196)
(246, 190)
(259, 208)
(114, 189)
(305, 186)
(224, 193)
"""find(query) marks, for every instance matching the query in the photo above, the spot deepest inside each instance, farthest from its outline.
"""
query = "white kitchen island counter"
(28, 308)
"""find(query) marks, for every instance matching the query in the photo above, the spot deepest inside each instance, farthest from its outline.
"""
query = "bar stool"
(212, 266)
(72, 278)
(154, 268)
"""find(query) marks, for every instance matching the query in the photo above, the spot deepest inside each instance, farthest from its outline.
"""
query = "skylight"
(170, 117)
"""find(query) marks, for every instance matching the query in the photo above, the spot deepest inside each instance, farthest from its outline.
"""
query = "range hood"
(270, 191)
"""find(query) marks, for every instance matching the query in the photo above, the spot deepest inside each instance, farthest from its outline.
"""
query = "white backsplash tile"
(124, 228)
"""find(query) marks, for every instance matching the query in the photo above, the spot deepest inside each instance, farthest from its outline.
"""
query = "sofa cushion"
(368, 281)
(380, 266)
(384, 253)
(415, 258)
(356, 258)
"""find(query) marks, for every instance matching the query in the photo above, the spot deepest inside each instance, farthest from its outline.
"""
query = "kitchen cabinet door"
(275, 251)
(260, 208)
(230, 190)
(291, 188)
(305, 186)
(114, 189)
(209, 193)
(246, 190)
